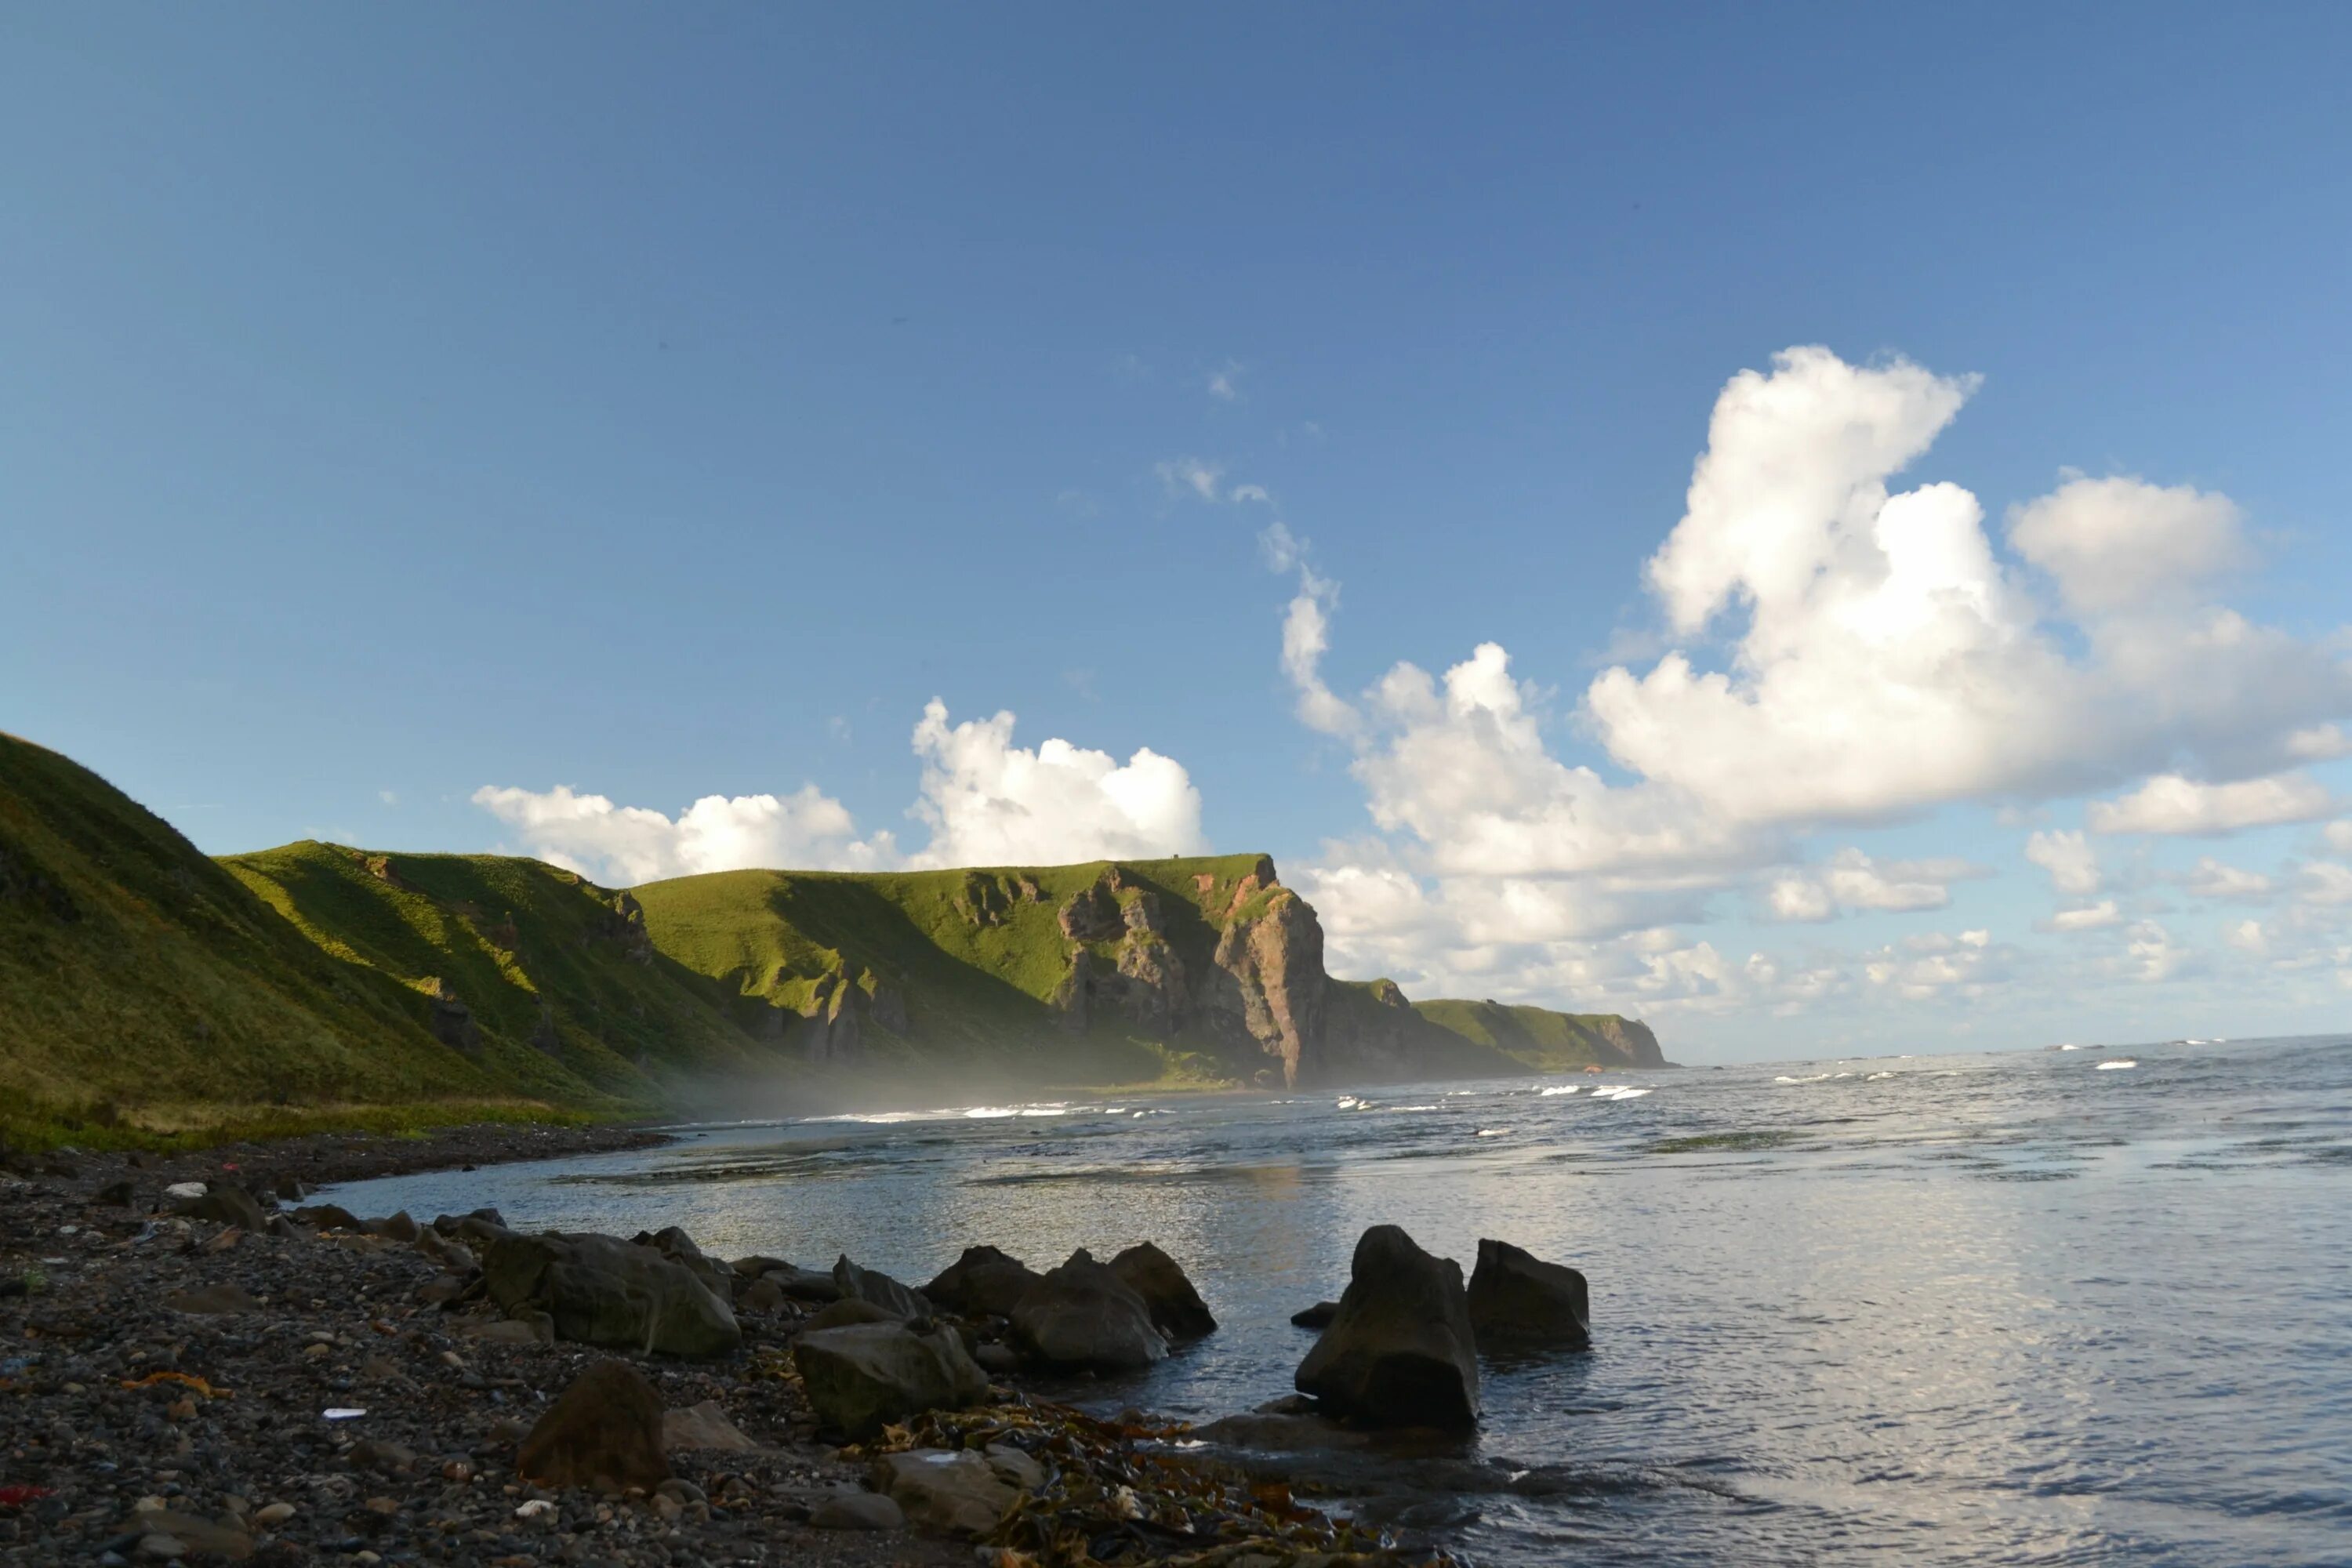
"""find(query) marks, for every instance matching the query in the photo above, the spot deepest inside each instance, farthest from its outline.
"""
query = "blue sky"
(399, 405)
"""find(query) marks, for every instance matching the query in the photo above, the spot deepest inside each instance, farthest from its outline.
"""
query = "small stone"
(273, 1514)
(161, 1547)
(1016, 1466)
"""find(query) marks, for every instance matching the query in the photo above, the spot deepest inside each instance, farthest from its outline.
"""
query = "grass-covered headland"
(150, 993)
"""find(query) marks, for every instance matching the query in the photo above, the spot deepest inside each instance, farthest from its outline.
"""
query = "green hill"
(143, 982)
(1548, 1041)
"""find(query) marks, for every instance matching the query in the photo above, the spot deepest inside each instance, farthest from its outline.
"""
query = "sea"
(2050, 1307)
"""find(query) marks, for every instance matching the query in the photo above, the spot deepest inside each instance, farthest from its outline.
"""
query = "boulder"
(601, 1290)
(1083, 1315)
(983, 1282)
(764, 1296)
(1318, 1316)
(674, 1244)
(803, 1284)
(1167, 1294)
(225, 1202)
(704, 1426)
(848, 1312)
(1517, 1296)
(1400, 1351)
(751, 1268)
(861, 1378)
(394, 1228)
(951, 1490)
(873, 1285)
(605, 1431)
(328, 1216)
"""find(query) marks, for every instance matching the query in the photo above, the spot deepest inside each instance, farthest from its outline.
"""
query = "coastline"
(180, 1386)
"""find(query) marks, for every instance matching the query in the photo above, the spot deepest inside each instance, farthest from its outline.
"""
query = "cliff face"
(1547, 1041)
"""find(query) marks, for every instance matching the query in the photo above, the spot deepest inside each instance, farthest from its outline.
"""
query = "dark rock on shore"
(601, 1290)
(1515, 1296)
(873, 1285)
(604, 1432)
(1401, 1350)
(862, 1377)
(983, 1282)
(1175, 1306)
(1083, 1316)
(1318, 1316)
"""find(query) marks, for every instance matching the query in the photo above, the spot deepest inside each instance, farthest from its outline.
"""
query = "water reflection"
(2005, 1309)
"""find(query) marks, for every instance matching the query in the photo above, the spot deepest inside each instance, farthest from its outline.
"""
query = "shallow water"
(2009, 1307)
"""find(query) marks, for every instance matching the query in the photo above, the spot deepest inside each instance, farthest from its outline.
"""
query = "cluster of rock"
(1400, 1348)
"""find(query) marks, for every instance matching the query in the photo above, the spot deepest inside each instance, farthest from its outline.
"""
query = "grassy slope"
(134, 971)
(978, 985)
(1540, 1038)
(529, 948)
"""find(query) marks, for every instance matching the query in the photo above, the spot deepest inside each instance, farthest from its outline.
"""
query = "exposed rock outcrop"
(983, 1282)
(601, 1290)
(1270, 984)
(1082, 1315)
(1401, 1350)
(452, 1022)
(859, 1379)
(1176, 1308)
(1515, 1294)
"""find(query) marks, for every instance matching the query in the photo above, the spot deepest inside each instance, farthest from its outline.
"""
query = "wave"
(2120, 1062)
(1563, 1088)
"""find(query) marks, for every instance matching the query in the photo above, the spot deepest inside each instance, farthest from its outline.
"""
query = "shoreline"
(180, 1387)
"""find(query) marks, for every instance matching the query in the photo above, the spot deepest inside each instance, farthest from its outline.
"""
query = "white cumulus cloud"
(990, 803)
(2073, 864)
(1851, 880)
(2169, 804)
(630, 844)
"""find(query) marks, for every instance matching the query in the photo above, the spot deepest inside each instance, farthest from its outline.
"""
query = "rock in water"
(601, 1290)
(953, 1491)
(861, 1378)
(1318, 1316)
(1083, 1315)
(873, 1285)
(1400, 1351)
(605, 1432)
(1514, 1295)
(983, 1281)
(1167, 1294)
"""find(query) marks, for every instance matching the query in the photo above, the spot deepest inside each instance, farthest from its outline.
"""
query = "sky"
(1820, 527)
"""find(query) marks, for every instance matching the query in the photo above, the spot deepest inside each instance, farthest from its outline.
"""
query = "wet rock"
(601, 1290)
(858, 1510)
(1284, 1433)
(605, 1431)
(704, 1426)
(1318, 1316)
(212, 1301)
(983, 1282)
(1400, 1351)
(1175, 1305)
(393, 1227)
(873, 1285)
(1082, 1315)
(953, 1491)
(1517, 1296)
(861, 1378)
(328, 1216)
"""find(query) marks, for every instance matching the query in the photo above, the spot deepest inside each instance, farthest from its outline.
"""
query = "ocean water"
(2033, 1307)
